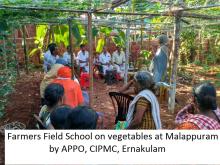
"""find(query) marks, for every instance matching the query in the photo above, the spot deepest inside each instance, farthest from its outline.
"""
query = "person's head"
(83, 47)
(143, 80)
(61, 61)
(64, 72)
(53, 94)
(105, 49)
(59, 116)
(53, 48)
(82, 117)
(118, 48)
(68, 49)
(205, 97)
(163, 40)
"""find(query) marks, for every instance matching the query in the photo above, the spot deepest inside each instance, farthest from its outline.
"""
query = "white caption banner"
(111, 147)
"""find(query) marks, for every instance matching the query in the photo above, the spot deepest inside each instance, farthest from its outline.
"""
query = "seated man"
(118, 60)
(50, 57)
(83, 117)
(59, 116)
(72, 91)
(67, 56)
(105, 60)
(83, 58)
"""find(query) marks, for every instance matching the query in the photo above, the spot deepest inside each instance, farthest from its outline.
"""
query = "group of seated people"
(66, 105)
(105, 60)
(58, 114)
(62, 110)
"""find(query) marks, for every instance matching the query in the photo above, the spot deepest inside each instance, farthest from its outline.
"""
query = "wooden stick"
(25, 50)
(52, 33)
(176, 45)
(43, 9)
(16, 58)
(90, 59)
(71, 46)
(127, 54)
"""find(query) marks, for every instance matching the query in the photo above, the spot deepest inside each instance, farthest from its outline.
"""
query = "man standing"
(105, 60)
(118, 60)
(83, 58)
(158, 65)
(50, 57)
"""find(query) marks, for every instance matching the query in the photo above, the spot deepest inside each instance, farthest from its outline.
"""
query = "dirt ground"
(25, 101)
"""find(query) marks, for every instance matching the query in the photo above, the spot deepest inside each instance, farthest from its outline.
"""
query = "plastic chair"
(123, 102)
(163, 90)
(39, 122)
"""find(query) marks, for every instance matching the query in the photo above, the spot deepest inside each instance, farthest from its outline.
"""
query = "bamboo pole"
(141, 36)
(52, 33)
(149, 39)
(127, 54)
(25, 50)
(49, 9)
(169, 13)
(16, 58)
(71, 46)
(90, 59)
(176, 45)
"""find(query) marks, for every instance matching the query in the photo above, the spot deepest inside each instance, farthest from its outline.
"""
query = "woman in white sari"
(144, 110)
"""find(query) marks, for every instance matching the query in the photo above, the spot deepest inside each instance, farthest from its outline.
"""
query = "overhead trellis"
(113, 13)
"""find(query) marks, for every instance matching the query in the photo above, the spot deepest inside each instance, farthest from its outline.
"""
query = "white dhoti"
(120, 69)
(106, 67)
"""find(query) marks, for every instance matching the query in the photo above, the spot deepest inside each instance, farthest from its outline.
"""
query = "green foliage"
(7, 71)
(99, 47)
(197, 62)
(106, 31)
(217, 82)
(187, 46)
(119, 39)
(41, 31)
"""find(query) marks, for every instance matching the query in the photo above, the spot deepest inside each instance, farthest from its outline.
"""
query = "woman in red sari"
(202, 113)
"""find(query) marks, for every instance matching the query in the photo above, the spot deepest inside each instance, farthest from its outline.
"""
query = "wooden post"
(25, 49)
(90, 59)
(16, 58)
(71, 46)
(52, 33)
(149, 39)
(141, 36)
(176, 45)
(127, 53)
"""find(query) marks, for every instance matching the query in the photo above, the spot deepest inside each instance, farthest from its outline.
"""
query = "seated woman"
(59, 116)
(83, 117)
(72, 92)
(202, 113)
(144, 110)
(53, 97)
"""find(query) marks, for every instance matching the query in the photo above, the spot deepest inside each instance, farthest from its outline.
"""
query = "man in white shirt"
(118, 60)
(50, 57)
(83, 58)
(105, 60)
